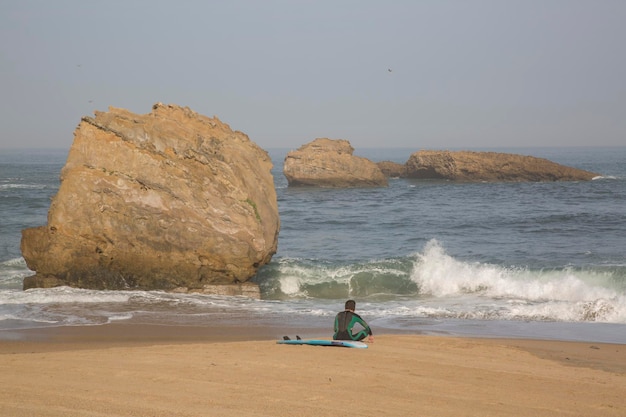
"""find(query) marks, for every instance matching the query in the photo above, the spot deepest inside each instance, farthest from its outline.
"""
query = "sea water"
(544, 260)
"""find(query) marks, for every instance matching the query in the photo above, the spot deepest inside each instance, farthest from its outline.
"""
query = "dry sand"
(156, 371)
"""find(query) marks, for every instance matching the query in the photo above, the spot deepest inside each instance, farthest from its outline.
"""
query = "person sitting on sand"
(345, 321)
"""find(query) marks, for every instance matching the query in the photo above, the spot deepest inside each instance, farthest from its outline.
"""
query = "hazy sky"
(464, 74)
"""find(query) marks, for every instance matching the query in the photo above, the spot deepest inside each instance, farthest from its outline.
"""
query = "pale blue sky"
(465, 74)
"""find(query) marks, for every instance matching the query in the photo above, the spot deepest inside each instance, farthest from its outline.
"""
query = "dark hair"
(350, 305)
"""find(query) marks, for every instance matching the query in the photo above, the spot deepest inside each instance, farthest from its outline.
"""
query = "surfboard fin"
(298, 337)
(286, 338)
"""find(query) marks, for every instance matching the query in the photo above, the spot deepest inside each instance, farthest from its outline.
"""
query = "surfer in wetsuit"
(345, 321)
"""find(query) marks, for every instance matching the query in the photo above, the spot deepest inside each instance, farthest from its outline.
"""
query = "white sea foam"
(62, 295)
(21, 318)
(22, 186)
(15, 262)
(451, 288)
(441, 275)
(12, 273)
(120, 317)
(604, 177)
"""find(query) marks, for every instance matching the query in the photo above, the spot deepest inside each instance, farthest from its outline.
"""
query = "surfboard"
(314, 342)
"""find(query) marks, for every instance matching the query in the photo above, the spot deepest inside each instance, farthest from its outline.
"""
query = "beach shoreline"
(124, 369)
(129, 334)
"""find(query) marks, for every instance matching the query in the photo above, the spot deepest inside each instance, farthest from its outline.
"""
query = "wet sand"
(139, 370)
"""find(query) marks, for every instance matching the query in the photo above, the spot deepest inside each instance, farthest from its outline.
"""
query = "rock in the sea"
(489, 166)
(392, 169)
(330, 163)
(168, 200)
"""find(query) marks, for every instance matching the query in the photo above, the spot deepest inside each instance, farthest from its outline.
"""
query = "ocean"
(529, 260)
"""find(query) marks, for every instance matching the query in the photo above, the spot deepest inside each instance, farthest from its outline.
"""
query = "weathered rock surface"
(168, 200)
(330, 163)
(392, 169)
(489, 166)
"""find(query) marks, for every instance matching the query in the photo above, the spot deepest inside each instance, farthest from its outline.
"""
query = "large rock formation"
(489, 166)
(330, 163)
(168, 200)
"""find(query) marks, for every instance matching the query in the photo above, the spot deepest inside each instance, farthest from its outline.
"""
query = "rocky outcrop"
(392, 169)
(489, 166)
(330, 163)
(168, 200)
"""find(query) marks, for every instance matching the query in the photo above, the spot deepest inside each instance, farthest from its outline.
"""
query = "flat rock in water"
(489, 166)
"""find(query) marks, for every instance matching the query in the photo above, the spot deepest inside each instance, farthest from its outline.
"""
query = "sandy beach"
(136, 370)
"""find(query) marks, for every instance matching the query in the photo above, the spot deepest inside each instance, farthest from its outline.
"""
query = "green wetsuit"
(345, 321)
